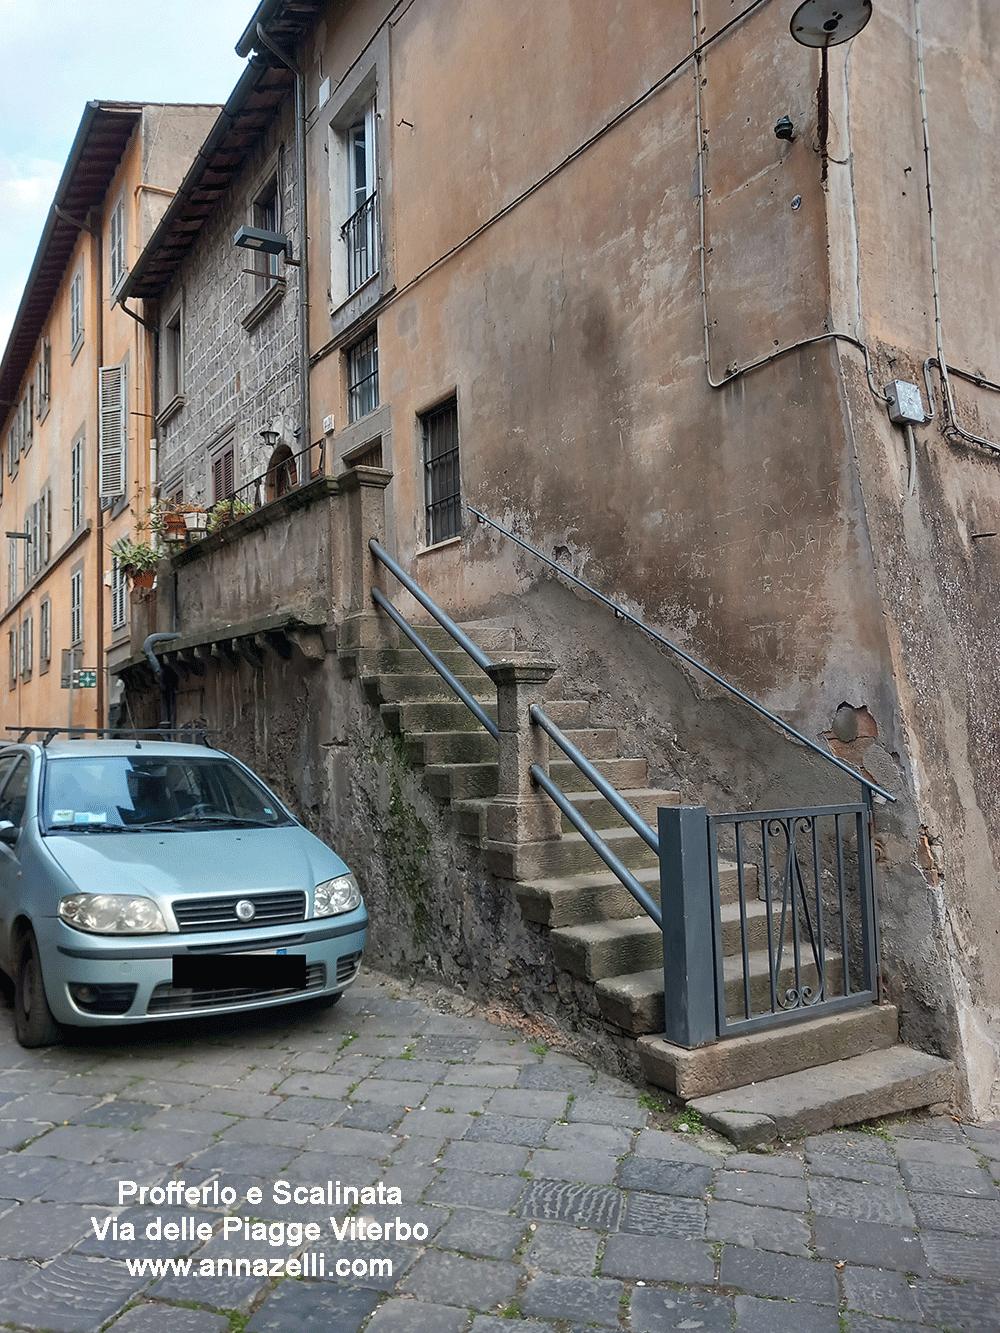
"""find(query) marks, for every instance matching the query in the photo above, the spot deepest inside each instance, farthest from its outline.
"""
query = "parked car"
(146, 879)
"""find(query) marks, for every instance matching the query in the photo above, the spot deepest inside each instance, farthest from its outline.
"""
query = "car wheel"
(33, 1019)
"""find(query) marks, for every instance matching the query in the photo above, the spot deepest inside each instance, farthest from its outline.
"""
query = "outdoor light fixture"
(21, 536)
(829, 22)
(270, 438)
(266, 242)
(784, 129)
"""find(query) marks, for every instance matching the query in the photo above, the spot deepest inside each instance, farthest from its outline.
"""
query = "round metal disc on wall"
(829, 22)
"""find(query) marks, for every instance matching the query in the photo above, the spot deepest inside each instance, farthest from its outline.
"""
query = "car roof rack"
(198, 735)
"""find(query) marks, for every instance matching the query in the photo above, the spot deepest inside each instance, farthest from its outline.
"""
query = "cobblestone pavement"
(532, 1192)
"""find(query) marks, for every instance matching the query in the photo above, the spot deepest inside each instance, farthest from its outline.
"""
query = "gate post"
(688, 932)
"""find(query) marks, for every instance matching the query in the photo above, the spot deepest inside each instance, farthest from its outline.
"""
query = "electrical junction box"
(905, 404)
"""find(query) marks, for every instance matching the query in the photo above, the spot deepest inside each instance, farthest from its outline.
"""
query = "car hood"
(195, 863)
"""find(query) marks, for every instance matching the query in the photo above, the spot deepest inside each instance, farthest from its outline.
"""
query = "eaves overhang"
(250, 109)
(100, 141)
(286, 22)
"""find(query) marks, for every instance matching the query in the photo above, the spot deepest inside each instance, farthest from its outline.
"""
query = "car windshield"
(112, 793)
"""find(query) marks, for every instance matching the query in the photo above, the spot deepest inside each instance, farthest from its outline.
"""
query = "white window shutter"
(113, 432)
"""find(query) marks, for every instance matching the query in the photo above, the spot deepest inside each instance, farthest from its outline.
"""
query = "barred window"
(442, 480)
(362, 377)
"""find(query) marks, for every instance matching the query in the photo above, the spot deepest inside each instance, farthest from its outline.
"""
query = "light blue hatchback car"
(147, 879)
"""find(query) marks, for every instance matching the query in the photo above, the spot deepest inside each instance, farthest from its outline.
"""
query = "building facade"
(76, 427)
(632, 284)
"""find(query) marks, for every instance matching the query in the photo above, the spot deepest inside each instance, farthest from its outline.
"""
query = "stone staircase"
(600, 936)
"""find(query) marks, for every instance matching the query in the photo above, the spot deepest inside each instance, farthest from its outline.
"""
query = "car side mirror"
(9, 833)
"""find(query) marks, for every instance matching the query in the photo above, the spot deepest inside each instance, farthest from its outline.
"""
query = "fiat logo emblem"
(245, 910)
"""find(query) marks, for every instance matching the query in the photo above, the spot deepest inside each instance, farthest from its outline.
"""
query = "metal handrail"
(610, 794)
(622, 614)
(622, 872)
(445, 621)
(448, 676)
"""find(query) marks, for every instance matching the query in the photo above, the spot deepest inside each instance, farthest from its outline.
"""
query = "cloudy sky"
(55, 56)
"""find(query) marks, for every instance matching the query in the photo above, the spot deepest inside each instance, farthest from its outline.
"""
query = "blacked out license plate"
(237, 971)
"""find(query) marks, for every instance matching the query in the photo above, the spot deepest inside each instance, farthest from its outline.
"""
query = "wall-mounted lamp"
(266, 242)
(829, 22)
(784, 129)
(20, 536)
(270, 438)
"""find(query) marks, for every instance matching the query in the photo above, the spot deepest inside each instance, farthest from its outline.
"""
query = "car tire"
(33, 1021)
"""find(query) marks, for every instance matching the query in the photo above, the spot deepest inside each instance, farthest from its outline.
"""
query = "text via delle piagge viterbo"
(253, 1247)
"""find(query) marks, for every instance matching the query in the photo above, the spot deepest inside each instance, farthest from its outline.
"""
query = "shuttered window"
(223, 476)
(112, 432)
(44, 634)
(119, 596)
(76, 485)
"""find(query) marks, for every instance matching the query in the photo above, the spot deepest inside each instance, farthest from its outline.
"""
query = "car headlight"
(336, 895)
(112, 914)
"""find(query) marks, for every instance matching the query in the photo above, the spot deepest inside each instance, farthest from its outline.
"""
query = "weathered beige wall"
(938, 582)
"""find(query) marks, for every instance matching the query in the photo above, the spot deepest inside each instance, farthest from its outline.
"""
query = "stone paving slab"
(528, 1192)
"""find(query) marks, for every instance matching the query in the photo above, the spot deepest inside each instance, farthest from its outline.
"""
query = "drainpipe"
(158, 672)
(300, 197)
(98, 288)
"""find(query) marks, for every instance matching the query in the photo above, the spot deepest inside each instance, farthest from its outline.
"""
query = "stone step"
(412, 686)
(600, 813)
(409, 661)
(575, 900)
(593, 742)
(461, 782)
(608, 948)
(844, 1092)
(470, 818)
(411, 716)
(634, 1001)
(568, 855)
(493, 637)
(567, 713)
(621, 773)
(752, 1057)
(450, 747)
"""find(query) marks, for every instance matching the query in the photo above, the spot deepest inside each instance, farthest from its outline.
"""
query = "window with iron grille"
(76, 606)
(442, 480)
(44, 635)
(76, 485)
(267, 214)
(119, 596)
(361, 230)
(362, 377)
(223, 472)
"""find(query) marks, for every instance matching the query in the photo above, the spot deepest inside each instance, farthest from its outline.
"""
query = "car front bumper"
(103, 980)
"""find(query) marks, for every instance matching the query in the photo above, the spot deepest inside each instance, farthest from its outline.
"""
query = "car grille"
(271, 909)
(347, 966)
(176, 1000)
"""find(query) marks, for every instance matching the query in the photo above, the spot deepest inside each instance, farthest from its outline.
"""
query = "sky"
(57, 55)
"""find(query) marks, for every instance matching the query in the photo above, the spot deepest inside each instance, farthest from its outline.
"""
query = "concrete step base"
(608, 948)
(737, 1061)
(576, 900)
(865, 1087)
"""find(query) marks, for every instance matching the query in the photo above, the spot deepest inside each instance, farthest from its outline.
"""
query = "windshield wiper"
(212, 820)
(84, 826)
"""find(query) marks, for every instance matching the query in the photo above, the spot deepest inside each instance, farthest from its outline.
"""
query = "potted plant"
(137, 560)
(226, 511)
(173, 519)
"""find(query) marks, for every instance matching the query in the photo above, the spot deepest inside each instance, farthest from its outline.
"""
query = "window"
(267, 214)
(76, 312)
(362, 377)
(361, 230)
(43, 379)
(442, 482)
(12, 571)
(175, 356)
(119, 596)
(223, 477)
(112, 424)
(76, 606)
(76, 485)
(27, 419)
(12, 648)
(44, 528)
(116, 243)
(44, 635)
(27, 646)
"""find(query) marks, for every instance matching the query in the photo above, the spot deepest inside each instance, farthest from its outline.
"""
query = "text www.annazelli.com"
(307, 1265)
